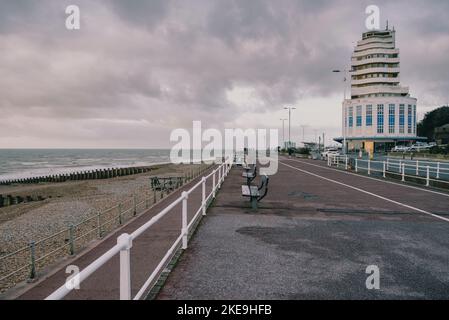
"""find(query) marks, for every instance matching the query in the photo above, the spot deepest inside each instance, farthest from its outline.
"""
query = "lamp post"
(283, 131)
(346, 72)
(289, 123)
(303, 134)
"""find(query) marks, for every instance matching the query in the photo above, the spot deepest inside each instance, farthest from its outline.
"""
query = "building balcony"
(379, 89)
(374, 60)
(374, 46)
(374, 40)
(375, 70)
(376, 80)
(374, 51)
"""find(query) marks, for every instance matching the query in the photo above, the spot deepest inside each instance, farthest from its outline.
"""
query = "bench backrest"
(263, 189)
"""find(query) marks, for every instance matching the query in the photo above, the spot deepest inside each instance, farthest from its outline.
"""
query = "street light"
(289, 123)
(346, 72)
(283, 131)
(303, 135)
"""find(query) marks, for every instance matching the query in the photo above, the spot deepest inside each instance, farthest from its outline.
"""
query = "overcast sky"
(138, 69)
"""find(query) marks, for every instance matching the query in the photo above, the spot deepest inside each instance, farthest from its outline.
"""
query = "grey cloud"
(165, 63)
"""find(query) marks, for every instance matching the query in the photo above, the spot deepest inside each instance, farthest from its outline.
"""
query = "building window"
(391, 118)
(359, 116)
(409, 113)
(380, 118)
(351, 117)
(369, 115)
(401, 118)
(414, 119)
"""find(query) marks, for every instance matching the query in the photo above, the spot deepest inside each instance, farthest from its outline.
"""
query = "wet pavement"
(314, 236)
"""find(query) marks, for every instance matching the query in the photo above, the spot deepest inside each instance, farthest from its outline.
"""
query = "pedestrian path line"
(367, 192)
(371, 178)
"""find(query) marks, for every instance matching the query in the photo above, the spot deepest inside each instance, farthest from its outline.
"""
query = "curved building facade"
(381, 113)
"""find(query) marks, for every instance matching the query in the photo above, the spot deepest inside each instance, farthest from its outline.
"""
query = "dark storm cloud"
(143, 13)
(153, 65)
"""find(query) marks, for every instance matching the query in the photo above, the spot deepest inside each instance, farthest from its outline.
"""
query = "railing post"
(204, 195)
(428, 177)
(400, 166)
(346, 163)
(185, 232)
(388, 164)
(99, 225)
(32, 260)
(126, 242)
(369, 167)
(403, 172)
(71, 241)
(438, 170)
(417, 167)
(384, 167)
(356, 165)
(213, 184)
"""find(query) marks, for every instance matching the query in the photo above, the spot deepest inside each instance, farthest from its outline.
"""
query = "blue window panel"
(391, 118)
(409, 114)
(351, 117)
(369, 115)
(401, 118)
(359, 116)
(380, 118)
(414, 119)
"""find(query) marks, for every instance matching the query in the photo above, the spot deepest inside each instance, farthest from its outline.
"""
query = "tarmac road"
(314, 236)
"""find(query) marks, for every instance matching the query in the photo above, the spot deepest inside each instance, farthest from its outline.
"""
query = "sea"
(28, 163)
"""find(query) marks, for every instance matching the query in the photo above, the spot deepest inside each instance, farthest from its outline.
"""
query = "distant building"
(441, 134)
(380, 113)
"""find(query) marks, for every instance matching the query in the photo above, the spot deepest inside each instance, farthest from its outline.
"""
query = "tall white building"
(380, 112)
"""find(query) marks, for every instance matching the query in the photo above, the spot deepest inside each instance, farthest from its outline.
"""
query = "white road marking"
(371, 178)
(367, 192)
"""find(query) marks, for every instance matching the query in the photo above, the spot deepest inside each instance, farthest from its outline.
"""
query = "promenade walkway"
(146, 253)
(314, 236)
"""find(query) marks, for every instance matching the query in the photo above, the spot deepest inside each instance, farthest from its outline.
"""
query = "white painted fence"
(124, 242)
(427, 171)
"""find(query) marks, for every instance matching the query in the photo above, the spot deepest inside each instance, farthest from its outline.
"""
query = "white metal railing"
(419, 169)
(124, 241)
(25, 262)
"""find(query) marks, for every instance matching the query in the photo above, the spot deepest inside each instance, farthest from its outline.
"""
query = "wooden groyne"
(8, 200)
(78, 176)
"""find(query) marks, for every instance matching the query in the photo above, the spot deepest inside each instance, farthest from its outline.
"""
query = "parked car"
(329, 152)
(420, 147)
(400, 149)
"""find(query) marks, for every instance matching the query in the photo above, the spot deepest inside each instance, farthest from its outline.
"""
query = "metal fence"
(124, 242)
(428, 173)
(26, 262)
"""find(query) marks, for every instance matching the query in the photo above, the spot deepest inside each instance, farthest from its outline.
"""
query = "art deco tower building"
(381, 112)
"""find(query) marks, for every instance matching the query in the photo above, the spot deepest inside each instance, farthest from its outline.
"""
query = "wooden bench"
(256, 194)
(250, 173)
(166, 183)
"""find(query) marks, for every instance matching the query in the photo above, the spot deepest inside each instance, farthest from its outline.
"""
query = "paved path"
(147, 251)
(313, 238)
